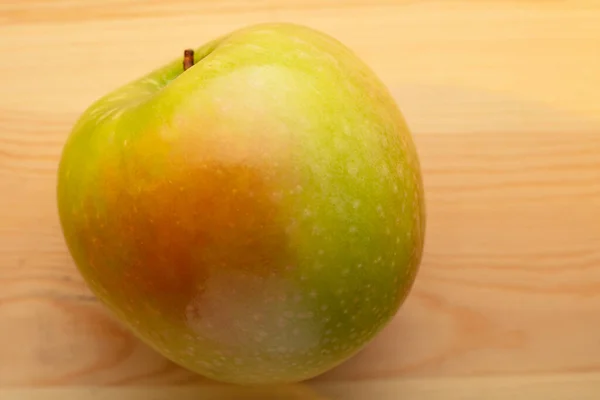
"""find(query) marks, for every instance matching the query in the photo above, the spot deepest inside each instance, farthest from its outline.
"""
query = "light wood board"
(504, 101)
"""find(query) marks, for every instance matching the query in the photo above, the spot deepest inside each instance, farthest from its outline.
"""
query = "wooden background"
(504, 101)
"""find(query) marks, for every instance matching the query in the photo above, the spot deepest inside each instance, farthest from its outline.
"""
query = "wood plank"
(552, 387)
(503, 101)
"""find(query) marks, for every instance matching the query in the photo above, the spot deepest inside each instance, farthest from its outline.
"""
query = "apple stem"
(188, 59)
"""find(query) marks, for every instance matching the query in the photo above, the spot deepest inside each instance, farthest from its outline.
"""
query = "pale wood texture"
(504, 101)
(555, 387)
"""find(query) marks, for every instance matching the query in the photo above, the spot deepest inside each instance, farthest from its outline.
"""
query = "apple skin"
(258, 218)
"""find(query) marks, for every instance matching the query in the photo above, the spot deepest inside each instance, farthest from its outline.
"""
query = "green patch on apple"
(256, 214)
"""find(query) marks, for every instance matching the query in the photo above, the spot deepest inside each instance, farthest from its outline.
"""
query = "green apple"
(257, 217)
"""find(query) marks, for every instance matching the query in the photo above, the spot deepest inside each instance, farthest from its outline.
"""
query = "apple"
(256, 217)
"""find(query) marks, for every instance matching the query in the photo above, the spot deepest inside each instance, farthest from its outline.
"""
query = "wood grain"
(555, 387)
(504, 103)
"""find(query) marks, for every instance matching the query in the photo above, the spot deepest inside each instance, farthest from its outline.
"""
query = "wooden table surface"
(504, 101)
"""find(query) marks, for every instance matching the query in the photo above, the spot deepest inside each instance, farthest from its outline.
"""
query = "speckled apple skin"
(257, 218)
